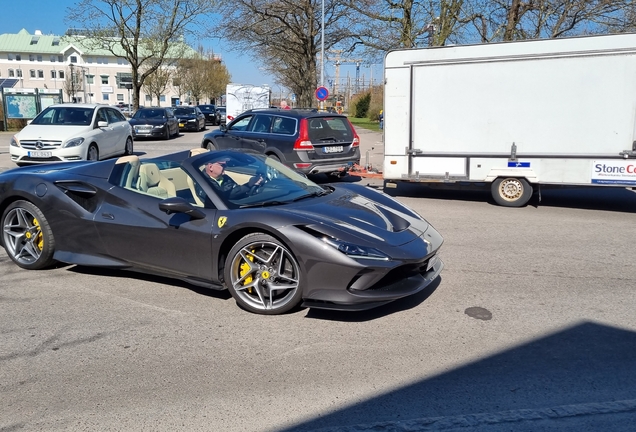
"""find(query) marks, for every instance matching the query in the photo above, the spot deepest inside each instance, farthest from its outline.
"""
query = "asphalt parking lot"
(530, 327)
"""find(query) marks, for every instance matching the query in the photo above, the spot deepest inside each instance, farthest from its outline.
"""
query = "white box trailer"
(242, 97)
(515, 116)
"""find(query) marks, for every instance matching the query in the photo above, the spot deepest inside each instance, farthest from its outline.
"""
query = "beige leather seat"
(153, 182)
(133, 173)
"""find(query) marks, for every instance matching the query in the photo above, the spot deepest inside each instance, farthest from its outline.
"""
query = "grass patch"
(365, 123)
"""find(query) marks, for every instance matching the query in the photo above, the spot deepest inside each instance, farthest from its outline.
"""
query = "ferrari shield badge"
(221, 221)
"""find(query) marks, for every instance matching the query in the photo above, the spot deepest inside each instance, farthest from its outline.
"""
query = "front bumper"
(357, 300)
(21, 156)
(149, 133)
(188, 126)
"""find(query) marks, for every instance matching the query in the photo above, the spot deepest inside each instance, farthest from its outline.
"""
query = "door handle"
(108, 216)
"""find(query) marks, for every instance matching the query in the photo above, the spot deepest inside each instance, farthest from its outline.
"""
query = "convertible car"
(269, 235)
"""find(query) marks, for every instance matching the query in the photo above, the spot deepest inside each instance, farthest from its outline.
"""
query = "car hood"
(343, 213)
(50, 132)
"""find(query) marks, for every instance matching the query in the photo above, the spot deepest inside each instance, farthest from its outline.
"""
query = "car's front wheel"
(93, 153)
(129, 147)
(27, 236)
(263, 275)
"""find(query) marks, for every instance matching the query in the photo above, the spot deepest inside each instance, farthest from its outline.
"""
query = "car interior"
(149, 179)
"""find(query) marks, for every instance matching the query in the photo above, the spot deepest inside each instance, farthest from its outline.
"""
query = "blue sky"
(49, 17)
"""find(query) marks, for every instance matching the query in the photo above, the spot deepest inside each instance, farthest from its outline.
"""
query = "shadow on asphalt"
(587, 198)
(581, 378)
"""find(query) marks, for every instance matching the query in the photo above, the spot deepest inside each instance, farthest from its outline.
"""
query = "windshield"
(250, 180)
(65, 116)
(184, 111)
(150, 114)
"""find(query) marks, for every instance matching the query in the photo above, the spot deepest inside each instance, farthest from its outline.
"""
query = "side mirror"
(179, 205)
(102, 124)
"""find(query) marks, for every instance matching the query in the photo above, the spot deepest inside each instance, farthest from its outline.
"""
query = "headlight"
(159, 127)
(355, 251)
(192, 120)
(74, 142)
(15, 142)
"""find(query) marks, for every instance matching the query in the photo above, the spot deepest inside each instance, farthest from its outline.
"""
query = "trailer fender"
(527, 173)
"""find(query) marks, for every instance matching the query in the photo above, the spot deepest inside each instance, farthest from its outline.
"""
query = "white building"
(38, 61)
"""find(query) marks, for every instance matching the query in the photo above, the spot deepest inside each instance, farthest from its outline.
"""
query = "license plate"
(180, 124)
(40, 154)
(333, 149)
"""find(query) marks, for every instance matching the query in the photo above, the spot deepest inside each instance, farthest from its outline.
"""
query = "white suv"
(72, 132)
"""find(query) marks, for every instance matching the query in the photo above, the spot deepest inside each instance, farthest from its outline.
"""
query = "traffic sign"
(322, 93)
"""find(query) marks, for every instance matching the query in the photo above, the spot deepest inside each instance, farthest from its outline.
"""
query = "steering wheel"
(254, 189)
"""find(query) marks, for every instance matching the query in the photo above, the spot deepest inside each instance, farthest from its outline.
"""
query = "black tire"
(273, 156)
(129, 147)
(27, 236)
(93, 153)
(167, 135)
(210, 145)
(251, 272)
(511, 191)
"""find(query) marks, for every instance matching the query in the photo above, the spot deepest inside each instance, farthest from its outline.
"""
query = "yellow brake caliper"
(245, 267)
(39, 239)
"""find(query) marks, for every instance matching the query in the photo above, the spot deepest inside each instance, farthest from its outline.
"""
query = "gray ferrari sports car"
(223, 220)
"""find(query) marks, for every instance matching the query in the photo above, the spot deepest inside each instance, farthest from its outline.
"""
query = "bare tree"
(157, 82)
(285, 35)
(144, 32)
(382, 25)
(202, 76)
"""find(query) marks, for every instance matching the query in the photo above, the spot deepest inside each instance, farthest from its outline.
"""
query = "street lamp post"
(322, 54)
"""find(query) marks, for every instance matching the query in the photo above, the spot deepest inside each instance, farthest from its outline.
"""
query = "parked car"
(220, 115)
(72, 132)
(283, 242)
(154, 122)
(309, 141)
(190, 118)
(209, 111)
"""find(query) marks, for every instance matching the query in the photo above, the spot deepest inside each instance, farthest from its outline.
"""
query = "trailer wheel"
(511, 192)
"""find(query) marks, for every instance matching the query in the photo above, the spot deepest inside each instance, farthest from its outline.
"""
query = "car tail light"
(230, 117)
(356, 138)
(302, 165)
(303, 142)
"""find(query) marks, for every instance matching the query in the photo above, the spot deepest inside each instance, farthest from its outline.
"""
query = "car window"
(284, 126)
(241, 124)
(112, 116)
(261, 123)
(184, 111)
(101, 115)
(65, 115)
(329, 129)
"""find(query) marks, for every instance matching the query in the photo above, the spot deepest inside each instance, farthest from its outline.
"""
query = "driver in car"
(226, 185)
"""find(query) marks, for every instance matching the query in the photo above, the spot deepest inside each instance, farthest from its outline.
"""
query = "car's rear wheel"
(263, 275)
(511, 192)
(27, 236)
(129, 146)
(93, 153)
(210, 146)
